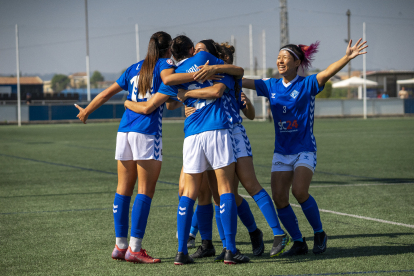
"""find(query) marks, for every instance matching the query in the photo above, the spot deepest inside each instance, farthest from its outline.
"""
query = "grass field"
(57, 185)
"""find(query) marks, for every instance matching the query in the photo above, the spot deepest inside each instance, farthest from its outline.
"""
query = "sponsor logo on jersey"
(294, 94)
(288, 126)
(273, 95)
(170, 62)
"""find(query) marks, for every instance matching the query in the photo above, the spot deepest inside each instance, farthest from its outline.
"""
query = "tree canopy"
(59, 82)
(96, 77)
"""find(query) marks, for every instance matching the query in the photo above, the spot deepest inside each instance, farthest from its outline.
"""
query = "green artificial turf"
(57, 184)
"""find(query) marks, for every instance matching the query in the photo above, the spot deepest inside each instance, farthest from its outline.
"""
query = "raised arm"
(351, 53)
(207, 71)
(148, 106)
(249, 111)
(99, 100)
(211, 92)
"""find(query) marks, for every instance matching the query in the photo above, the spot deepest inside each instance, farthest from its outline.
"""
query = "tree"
(59, 82)
(96, 77)
(326, 92)
(269, 72)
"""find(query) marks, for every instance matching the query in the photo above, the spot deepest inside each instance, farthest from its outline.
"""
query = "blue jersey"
(293, 107)
(133, 122)
(210, 114)
(235, 103)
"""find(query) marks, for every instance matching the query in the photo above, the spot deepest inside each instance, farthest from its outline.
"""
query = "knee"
(281, 199)
(300, 195)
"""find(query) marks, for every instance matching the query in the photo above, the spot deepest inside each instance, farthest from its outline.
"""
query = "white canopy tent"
(355, 82)
(399, 82)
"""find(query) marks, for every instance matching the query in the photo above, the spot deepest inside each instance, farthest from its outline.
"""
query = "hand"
(126, 103)
(354, 51)
(83, 116)
(189, 110)
(244, 99)
(182, 94)
(207, 72)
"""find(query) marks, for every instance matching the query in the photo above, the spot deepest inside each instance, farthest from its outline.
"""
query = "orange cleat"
(140, 257)
(118, 254)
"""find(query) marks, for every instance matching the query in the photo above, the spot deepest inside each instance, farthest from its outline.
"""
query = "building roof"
(389, 72)
(79, 74)
(23, 80)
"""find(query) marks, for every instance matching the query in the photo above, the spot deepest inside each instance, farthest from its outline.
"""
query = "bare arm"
(211, 92)
(206, 71)
(170, 78)
(351, 53)
(148, 106)
(248, 83)
(99, 100)
(172, 104)
(249, 111)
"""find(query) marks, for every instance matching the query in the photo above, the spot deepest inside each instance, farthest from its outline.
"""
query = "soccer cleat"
(206, 249)
(256, 237)
(118, 254)
(238, 258)
(279, 244)
(220, 258)
(298, 248)
(140, 257)
(191, 242)
(182, 259)
(320, 241)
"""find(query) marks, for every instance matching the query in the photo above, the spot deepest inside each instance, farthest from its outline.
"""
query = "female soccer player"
(244, 166)
(139, 144)
(207, 144)
(292, 100)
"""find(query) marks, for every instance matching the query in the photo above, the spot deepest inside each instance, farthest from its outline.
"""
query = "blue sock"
(205, 225)
(194, 223)
(246, 216)
(184, 216)
(121, 215)
(265, 204)
(289, 220)
(139, 215)
(228, 215)
(220, 226)
(311, 211)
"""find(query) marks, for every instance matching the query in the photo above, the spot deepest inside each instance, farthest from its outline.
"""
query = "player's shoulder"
(166, 61)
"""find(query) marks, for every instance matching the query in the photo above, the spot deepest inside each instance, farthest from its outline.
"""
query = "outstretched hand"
(83, 116)
(354, 51)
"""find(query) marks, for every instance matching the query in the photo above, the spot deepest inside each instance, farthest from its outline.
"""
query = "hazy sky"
(52, 32)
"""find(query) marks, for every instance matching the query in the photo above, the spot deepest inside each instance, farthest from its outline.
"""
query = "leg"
(300, 189)
(127, 176)
(245, 170)
(148, 172)
(280, 182)
(212, 181)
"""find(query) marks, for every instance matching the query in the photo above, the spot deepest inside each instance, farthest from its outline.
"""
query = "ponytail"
(157, 47)
(302, 52)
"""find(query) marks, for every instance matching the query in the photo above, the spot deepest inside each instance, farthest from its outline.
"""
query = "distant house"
(32, 85)
(78, 80)
(387, 80)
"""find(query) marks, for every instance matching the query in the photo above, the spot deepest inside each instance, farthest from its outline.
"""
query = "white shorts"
(283, 163)
(241, 142)
(208, 150)
(138, 146)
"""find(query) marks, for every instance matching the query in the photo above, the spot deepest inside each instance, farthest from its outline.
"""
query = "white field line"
(348, 185)
(353, 216)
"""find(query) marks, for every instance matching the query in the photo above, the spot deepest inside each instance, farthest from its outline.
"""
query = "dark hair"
(212, 47)
(157, 47)
(226, 53)
(180, 47)
(303, 52)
